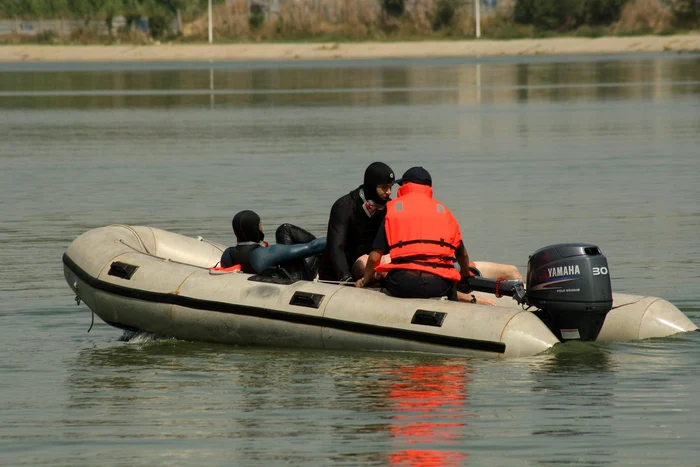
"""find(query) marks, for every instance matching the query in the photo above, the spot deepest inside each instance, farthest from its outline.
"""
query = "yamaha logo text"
(564, 271)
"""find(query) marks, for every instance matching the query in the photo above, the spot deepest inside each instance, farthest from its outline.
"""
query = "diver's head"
(379, 178)
(247, 227)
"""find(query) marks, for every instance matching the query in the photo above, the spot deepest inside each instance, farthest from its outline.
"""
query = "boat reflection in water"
(430, 405)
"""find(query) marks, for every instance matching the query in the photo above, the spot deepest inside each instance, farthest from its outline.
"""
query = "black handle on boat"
(515, 289)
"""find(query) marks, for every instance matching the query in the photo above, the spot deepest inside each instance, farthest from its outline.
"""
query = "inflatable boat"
(145, 279)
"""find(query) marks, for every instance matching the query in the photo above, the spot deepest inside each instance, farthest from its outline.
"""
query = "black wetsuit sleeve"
(380, 242)
(226, 261)
(460, 250)
(336, 238)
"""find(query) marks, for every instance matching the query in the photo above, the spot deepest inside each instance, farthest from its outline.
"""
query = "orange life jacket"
(234, 268)
(422, 234)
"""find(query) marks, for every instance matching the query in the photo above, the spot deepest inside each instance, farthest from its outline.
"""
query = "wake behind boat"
(146, 279)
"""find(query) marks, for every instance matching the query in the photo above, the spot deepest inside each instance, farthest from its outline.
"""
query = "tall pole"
(477, 18)
(211, 31)
(211, 84)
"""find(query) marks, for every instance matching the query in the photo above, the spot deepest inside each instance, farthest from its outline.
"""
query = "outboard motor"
(570, 285)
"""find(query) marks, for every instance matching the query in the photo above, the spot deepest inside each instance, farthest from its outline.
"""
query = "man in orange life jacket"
(423, 239)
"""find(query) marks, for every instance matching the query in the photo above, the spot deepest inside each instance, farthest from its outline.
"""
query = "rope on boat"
(352, 283)
(77, 302)
(209, 242)
(132, 247)
(138, 237)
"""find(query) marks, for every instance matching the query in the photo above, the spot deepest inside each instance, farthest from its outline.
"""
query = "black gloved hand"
(464, 286)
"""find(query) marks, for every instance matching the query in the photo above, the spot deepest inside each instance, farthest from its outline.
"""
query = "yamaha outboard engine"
(570, 286)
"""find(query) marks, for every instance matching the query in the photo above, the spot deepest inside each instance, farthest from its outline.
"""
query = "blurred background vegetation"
(144, 21)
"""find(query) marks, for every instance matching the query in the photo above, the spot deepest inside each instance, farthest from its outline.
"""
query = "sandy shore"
(368, 50)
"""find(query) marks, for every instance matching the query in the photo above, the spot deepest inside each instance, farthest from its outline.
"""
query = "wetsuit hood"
(246, 227)
(377, 173)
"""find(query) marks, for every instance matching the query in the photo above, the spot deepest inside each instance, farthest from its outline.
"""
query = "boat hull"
(141, 278)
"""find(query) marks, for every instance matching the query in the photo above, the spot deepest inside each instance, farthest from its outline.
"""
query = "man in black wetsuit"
(354, 221)
(249, 235)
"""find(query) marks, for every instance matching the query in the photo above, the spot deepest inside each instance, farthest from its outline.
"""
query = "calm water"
(526, 153)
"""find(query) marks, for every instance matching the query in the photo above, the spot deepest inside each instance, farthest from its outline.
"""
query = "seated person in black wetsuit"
(354, 221)
(249, 234)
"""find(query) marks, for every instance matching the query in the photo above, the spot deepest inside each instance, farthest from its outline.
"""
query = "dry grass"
(80, 36)
(293, 20)
(338, 20)
(418, 19)
(353, 20)
(229, 21)
(12, 39)
(502, 26)
(133, 36)
(298, 19)
(360, 19)
(643, 16)
(88, 35)
(463, 23)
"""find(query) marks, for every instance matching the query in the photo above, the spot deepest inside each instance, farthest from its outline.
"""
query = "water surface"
(525, 152)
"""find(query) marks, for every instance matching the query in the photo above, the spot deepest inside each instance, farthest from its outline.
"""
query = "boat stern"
(525, 335)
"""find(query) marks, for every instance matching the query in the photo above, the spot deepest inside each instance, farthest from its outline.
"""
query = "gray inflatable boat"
(146, 279)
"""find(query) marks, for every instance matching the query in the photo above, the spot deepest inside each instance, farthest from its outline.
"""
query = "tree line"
(376, 19)
(565, 15)
(84, 9)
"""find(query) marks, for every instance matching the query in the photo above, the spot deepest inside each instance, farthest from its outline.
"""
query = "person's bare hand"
(486, 301)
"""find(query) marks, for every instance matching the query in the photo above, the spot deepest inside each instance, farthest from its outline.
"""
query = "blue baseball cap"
(416, 175)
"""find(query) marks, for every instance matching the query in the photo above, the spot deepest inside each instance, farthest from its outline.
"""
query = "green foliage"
(90, 8)
(17, 8)
(686, 13)
(445, 11)
(640, 31)
(47, 37)
(171, 6)
(48, 8)
(86, 9)
(393, 8)
(538, 18)
(132, 8)
(508, 31)
(588, 31)
(256, 17)
(567, 14)
(112, 7)
(548, 14)
(157, 25)
(603, 11)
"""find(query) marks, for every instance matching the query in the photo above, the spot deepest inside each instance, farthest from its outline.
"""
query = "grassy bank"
(397, 20)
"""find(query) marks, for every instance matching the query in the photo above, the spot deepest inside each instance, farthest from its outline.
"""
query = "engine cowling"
(570, 285)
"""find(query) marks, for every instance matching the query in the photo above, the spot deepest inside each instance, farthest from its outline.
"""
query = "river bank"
(351, 50)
